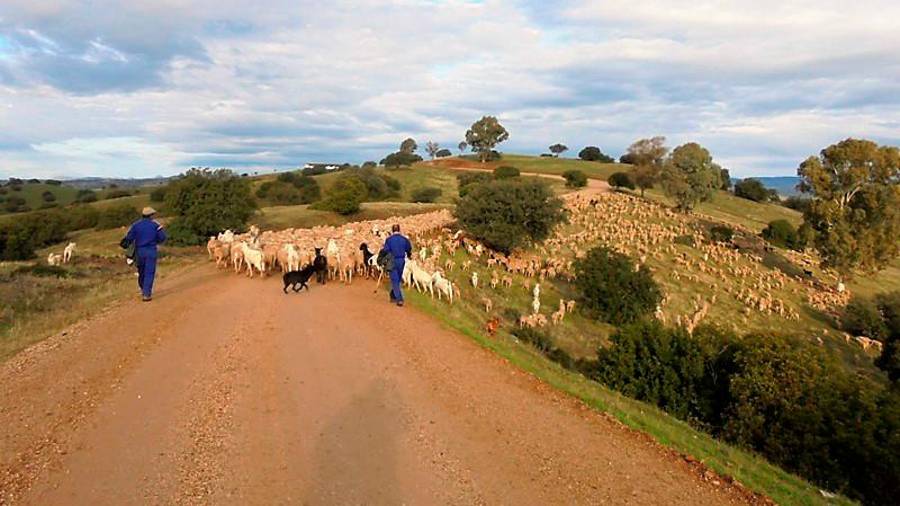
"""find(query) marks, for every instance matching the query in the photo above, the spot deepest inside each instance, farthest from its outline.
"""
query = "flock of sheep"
(725, 279)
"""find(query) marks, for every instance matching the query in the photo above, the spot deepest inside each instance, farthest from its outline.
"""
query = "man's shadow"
(355, 454)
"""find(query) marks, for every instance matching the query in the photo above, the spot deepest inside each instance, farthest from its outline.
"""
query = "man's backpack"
(385, 261)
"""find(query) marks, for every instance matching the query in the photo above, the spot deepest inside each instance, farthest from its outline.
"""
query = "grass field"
(37, 304)
(281, 217)
(138, 201)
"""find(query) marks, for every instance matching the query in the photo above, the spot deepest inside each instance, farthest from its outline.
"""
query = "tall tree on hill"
(855, 206)
(647, 156)
(558, 148)
(689, 176)
(432, 148)
(408, 146)
(462, 147)
(484, 135)
(593, 154)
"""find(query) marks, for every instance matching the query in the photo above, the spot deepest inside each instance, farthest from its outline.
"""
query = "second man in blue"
(400, 248)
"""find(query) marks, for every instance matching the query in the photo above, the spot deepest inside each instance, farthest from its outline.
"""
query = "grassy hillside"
(733, 210)
(540, 165)
(280, 217)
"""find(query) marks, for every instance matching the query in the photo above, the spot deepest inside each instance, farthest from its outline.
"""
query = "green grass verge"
(750, 470)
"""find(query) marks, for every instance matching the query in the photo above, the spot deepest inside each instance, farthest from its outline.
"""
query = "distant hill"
(784, 185)
(103, 182)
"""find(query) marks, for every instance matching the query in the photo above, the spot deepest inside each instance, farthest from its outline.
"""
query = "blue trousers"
(146, 264)
(397, 279)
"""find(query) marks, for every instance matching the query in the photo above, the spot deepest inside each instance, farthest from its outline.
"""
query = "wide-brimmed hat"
(148, 211)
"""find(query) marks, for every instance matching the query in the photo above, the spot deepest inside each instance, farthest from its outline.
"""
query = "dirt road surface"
(225, 391)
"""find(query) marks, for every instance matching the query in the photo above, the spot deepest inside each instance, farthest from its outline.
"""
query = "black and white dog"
(367, 258)
(297, 279)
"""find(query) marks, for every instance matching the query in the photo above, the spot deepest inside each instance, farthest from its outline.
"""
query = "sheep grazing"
(536, 306)
(557, 316)
(570, 306)
(474, 280)
(54, 259)
(537, 290)
(68, 253)
(488, 304)
(442, 286)
(421, 278)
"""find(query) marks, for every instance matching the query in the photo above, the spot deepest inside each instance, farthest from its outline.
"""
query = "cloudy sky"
(140, 88)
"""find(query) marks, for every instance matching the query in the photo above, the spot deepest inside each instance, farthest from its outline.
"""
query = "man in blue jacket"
(145, 234)
(400, 248)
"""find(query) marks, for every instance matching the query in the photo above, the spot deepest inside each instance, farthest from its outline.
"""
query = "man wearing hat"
(145, 234)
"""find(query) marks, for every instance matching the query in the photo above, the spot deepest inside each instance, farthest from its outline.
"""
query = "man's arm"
(130, 235)
(160, 234)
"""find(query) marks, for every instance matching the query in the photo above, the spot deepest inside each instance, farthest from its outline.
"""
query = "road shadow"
(355, 457)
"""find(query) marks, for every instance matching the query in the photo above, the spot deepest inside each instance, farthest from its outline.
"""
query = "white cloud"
(165, 85)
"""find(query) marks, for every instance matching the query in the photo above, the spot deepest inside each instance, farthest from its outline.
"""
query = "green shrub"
(575, 178)
(79, 217)
(621, 180)
(158, 194)
(3, 190)
(778, 396)
(469, 180)
(505, 172)
(684, 240)
(593, 154)
(15, 204)
(118, 215)
(510, 213)
(861, 317)
(16, 187)
(783, 234)
(345, 196)
(205, 202)
(48, 196)
(53, 182)
(44, 271)
(427, 194)
(117, 194)
(877, 318)
(666, 367)
(400, 158)
(752, 189)
(613, 289)
(85, 196)
(308, 188)
(721, 233)
(19, 238)
(279, 193)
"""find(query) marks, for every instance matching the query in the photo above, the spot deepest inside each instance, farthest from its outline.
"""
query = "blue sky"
(143, 88)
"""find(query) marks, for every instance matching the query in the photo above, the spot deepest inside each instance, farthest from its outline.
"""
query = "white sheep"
(68, 253)
(254, 259)
(54, 259)
(475, 280)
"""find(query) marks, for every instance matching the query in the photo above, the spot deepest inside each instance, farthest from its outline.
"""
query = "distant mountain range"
(92, 183)
(784, 185)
